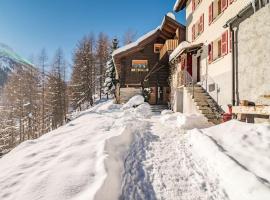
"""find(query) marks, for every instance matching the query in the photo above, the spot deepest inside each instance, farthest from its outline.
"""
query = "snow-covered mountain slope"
(9, 60)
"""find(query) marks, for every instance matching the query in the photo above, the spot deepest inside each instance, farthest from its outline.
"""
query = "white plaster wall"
(220, 71)
(254, 56)
(189, 106)
(178, 96)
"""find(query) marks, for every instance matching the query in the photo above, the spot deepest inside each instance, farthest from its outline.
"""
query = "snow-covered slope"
(69, 163)
(230, 161)
(120, 152)
(9, 60)
(238, 153)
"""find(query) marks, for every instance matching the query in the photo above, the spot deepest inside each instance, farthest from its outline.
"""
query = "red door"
(189, 63)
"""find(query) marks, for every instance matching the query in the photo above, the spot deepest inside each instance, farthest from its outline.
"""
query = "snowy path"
(119, 152)
(172, 171)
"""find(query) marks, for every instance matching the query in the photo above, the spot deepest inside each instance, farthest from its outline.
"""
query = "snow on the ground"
(173, 172)
(124, 152)
(229, 161)
(183, 121)
(69, 163)
(246, 143)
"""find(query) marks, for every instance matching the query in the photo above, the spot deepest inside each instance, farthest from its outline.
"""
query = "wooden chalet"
(144, 64)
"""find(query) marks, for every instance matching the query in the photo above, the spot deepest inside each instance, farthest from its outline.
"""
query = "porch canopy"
(184, 47)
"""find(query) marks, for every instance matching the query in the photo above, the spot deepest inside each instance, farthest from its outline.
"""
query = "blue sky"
(29, 25)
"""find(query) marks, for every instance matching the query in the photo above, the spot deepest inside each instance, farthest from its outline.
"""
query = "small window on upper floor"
(195, 4)
(157, 48)
(198, 28)
(139, 66)
(218, 48)
(216, 8)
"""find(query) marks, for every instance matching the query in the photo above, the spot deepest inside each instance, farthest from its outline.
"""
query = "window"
(198, 28)
(157, 48)
(139, 66)
(218, 48)
(195, 4)
(216, 8)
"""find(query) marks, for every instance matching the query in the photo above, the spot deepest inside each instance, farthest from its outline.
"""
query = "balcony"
(168, 47)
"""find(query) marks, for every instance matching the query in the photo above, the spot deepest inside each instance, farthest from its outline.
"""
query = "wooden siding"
(127, 77)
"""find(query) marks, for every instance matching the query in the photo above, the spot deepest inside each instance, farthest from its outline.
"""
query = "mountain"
(10, 60)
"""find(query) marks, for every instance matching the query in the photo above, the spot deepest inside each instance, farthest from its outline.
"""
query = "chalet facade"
(144, 64)
(212, 64)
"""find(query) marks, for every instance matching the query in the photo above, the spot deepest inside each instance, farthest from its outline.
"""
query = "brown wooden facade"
(146, 64)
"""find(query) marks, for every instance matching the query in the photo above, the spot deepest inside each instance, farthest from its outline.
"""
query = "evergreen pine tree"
(110, 81)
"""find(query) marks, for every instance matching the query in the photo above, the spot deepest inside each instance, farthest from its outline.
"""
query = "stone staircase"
(157, 109)
(206, 104)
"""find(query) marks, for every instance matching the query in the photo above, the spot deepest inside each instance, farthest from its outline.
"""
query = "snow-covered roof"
(136, 43)
(178, 5)
(179, 49)
(147, 35)
(185, 45)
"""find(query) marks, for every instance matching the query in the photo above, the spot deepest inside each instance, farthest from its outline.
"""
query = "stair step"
(204, 108)
(210, 116)
(198, 104)
(196, 89)
(207, 112)
(200, 93)
(158, 108)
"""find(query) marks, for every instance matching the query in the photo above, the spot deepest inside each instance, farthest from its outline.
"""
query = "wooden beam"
(170, 30)
(251, 110)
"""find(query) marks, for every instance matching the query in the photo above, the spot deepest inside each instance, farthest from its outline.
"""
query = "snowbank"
(166, 112)
(134, 102)
(237, 153)
(143, 111)
(72, 162)
(192, 121)
(183, 121)
(249, 144)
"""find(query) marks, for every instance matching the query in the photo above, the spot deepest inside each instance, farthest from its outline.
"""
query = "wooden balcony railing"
(168, 47)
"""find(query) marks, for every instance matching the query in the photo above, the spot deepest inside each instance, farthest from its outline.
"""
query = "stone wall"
(254, 57)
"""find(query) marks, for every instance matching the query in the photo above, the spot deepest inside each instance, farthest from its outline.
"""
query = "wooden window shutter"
(210, 52)
(210, 13)
(231, 1)
(224, 43)
(231, 44)
(193, 32)
(224, 5)
(202, 23)
(193, 5)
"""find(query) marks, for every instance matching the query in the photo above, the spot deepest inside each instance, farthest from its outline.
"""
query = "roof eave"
(180, 5)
